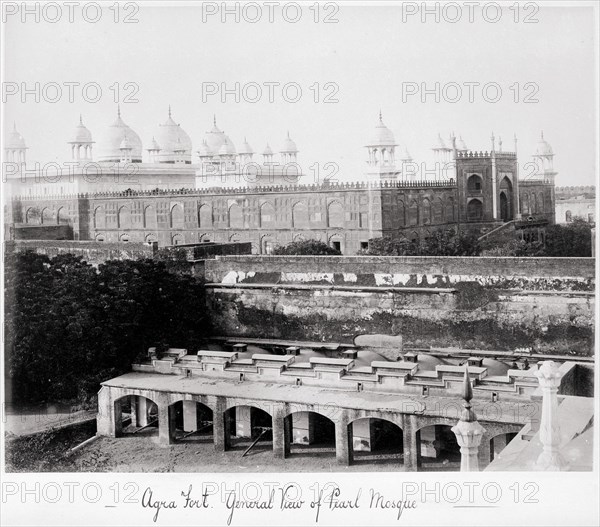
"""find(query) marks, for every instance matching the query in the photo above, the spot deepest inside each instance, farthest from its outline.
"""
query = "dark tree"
(441, 243)
(306, 247)
(70, 326)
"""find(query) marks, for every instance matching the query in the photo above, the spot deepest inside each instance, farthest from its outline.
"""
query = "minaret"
(381, 149)
(154, 150)
(468, 431)
(267, 155)
(126, 150)
(544, 158)
(288, 151)
(81, 145)
(15, 148)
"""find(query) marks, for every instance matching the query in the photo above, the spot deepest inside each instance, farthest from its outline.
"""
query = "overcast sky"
(367, 56)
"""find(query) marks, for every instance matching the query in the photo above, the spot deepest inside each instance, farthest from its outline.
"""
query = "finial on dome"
(169, 110)
(118, 110)
(542, 134)
(468, 415)
(80, 119)
(215, 119)
(380, 116)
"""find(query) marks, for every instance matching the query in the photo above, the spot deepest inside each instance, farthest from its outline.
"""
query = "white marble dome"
(15, 140)
(214, 139)
(110, 144)
(81, 134)
(171, 138)
(381, 135)
(543, 147)
(289, 146)
(246, 148)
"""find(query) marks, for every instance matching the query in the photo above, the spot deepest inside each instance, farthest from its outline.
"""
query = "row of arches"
(534, 203)
(47, 216)
(426, 211)
(305, 433)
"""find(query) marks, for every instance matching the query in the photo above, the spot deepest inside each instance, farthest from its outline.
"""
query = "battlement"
(416, 375)
(330, 187)
(485, 154)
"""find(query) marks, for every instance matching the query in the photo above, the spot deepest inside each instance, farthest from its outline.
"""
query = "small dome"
(440, 145)
(462, 145)
(215, 138)
(382, 135)
(267, 151)
(15, 140)
(288, 145)
(125, 144)
(543, 147)
(204, 151)
(405, 154)
(81, 134)
(365, 357)
(154, 145)
(110, 145)
(429, 362)
(227, 148)
(173, 138)
(246, 148)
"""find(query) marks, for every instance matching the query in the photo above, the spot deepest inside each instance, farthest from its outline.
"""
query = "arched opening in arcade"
(475, 210)
(506, 212)
(193, 422)
(137, 415)
(376, 441)
(309, 434)
(248, 429)
(498, 443)
(438, 448)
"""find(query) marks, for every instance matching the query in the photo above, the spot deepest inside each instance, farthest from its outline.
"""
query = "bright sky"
(367, 55)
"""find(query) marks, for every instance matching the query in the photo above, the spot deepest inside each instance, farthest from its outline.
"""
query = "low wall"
(545, 304)
(92, 252)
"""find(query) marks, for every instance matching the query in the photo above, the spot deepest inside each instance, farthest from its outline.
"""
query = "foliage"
(69, 326)
(441, 243)
(573, 239)
(176, 260)
(306, 247)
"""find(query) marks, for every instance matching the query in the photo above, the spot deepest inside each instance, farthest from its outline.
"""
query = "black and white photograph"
(299, 263)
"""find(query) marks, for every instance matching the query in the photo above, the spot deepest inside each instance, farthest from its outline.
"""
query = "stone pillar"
(221, 429)
(303, 428)
(484, 454)
(190, 416)
(109, 419)
(243, 421)
(412, 443)
(288, 435)
(279, 433)
(362, 435)
(468, 431)
(166, 424)
(142, 408)
(549, 378)
(343, 441)
(133, 406)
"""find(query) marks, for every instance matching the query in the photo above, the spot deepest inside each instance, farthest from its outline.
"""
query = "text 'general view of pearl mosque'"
(167, 190)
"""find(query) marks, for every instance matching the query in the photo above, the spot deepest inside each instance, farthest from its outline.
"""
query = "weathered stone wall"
(546, 304)
(92, 252)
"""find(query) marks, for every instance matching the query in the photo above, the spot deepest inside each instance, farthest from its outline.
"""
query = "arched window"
(335, 215)
(62, 216)
(267, 216)
(300, 216)
(150, 220)
(236, 218)
(426, 211)
(205, 218)
(413, 213)
(450, 210)
(525, 204)
(438, 211)
(176, 217)
(401, 214)
(124, 218)
(568, 216)
(474, 210)
(99, 218)
(474, 184)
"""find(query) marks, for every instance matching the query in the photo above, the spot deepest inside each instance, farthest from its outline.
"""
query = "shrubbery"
(69, 325)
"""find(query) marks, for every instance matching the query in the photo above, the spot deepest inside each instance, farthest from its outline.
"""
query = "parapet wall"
(544, 304)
